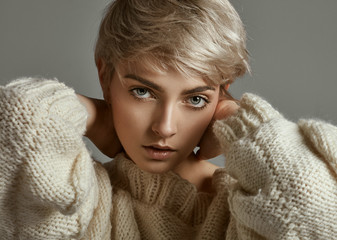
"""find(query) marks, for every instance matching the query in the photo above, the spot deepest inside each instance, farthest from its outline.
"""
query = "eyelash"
(203, 98)
(138, 97)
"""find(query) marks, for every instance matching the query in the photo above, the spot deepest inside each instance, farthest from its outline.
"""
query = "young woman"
(165, 68)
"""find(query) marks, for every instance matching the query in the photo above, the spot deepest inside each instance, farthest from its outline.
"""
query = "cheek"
(128, 121)
(131, 124)
(123, 114)
(196, 124)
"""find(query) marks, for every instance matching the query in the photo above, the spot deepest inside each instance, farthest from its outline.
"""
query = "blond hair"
(195, 37)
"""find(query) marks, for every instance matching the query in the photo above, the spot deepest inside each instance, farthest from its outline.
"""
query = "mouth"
(161, 147)
(158, 152)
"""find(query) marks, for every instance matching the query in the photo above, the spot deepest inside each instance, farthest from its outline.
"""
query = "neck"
(198, 172)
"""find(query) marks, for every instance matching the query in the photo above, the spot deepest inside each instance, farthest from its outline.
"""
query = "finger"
(225, 109)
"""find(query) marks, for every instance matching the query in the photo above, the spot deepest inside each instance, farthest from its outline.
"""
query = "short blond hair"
(195, 37)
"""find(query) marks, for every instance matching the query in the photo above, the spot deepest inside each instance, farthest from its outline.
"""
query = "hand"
(100, 127)
(209, 144)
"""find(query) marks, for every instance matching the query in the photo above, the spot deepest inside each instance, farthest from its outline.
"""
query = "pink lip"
(157, 152)
(160, 147)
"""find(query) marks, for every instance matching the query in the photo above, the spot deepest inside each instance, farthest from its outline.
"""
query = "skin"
(146, 111)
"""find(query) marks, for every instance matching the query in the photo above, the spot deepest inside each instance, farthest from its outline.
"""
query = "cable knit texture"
(279, 181)
(165, 206)
(48, 187)
(286, 174)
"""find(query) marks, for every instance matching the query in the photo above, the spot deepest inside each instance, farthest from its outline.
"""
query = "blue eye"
(141, 93)
(198, 101)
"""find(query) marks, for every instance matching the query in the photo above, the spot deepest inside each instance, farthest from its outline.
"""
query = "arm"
(99, 125)
(286, 184)
(50, 187)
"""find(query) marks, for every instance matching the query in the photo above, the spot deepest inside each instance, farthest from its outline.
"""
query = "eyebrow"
(158, 88)
(198, 89)
(144, 81)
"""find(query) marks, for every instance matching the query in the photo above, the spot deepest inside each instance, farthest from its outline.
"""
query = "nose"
(165, 123)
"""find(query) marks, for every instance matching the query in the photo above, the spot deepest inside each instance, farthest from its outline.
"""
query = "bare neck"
(198, 172)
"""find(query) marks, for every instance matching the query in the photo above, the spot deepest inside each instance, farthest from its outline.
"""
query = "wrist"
(100, 129)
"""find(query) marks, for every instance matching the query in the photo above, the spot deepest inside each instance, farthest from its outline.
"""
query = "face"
(160, 117)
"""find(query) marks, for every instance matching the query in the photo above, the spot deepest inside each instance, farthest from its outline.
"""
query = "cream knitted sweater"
(279, 182)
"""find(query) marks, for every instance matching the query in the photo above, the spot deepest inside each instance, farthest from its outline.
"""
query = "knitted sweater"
(279, 181)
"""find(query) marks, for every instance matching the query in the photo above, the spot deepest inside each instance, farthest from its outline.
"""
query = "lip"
(159, 152)
(160, 147)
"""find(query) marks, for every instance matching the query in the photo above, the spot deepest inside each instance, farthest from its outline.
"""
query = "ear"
(105, 83)
(224, 90)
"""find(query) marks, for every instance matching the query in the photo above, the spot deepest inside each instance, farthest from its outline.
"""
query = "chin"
(153, 166)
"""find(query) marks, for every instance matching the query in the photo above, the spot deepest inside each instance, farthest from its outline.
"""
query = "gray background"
(292, 45)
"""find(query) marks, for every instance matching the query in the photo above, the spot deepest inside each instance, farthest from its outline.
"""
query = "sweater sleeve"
(286, 174)
(50, 187)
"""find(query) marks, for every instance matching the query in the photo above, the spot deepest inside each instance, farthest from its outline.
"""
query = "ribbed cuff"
(252, 113)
